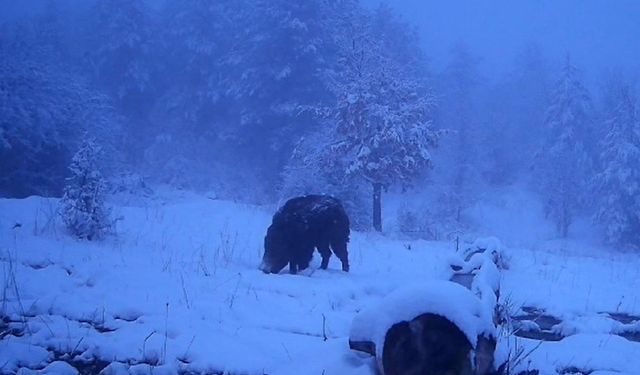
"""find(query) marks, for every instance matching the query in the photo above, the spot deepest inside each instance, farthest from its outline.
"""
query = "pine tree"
(83, 207)
(564, 162)
(617, 184)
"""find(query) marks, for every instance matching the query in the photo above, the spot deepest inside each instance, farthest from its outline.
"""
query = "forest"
(262, 100)
(328, 187)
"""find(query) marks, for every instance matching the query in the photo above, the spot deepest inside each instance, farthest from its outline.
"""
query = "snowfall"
(177, 290)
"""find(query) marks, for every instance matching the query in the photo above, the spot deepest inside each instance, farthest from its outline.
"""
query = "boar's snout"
(265, 267)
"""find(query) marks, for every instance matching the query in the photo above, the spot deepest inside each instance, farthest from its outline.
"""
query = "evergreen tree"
(120, 50)
(272, 79)
(83, 208)
(190, 110)
(617, 184)
(197, 34)
(239, 73)
(44, 106)
(563, 161)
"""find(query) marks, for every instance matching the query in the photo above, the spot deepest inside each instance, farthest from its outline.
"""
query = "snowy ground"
(178, 290)
(583, 287)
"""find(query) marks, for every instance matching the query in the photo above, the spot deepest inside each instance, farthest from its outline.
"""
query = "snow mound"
(483, 258)
(450, 300)
(490, 244)
(486, 285)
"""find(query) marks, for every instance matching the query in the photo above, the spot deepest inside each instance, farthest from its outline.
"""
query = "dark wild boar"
(302, 225)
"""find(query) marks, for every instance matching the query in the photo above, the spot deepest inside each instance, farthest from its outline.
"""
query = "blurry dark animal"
(300, 226)
(429, 344)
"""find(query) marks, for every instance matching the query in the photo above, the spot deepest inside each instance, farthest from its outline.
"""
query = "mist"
(328, 187)
(255, 101)
(598, 34)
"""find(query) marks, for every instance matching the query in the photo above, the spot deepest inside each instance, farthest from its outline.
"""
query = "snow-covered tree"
(382, 115)
(120, 42)
(83, 207)
(617, 183)
(120, 56)
(276, 75)
(44, 107)
(196, 35)
(239, 75)
(564, 164)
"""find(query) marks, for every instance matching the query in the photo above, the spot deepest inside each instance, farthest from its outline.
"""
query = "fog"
(433, 110)
(599, 34)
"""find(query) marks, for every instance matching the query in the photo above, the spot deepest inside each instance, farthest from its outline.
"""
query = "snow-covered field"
(178, 290)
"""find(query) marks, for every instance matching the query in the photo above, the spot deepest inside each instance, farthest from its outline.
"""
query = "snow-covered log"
(419, 321)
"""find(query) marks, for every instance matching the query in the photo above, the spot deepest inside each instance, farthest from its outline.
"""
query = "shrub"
(83, 208)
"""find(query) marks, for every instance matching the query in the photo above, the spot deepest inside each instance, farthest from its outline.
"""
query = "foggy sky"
(598, 34)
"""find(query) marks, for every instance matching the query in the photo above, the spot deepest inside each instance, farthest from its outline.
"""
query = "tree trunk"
(377, 207)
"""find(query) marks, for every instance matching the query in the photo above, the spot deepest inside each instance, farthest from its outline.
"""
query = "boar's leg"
(302, 265)
(325, 252)
(305, 255)
(340, 249)
(301, 258)
(293, 267)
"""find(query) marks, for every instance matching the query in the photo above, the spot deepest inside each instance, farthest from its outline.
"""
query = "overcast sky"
(599, 34)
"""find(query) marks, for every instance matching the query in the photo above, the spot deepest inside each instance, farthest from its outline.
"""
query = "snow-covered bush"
(491, 247)
(83, 208)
